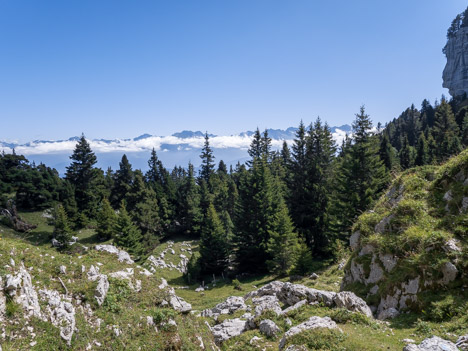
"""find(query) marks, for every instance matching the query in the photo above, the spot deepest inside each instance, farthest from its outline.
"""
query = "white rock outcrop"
(20, 287)
(266, 303)
(462, 342)
(122, 255)
(432, 344)
(231, 305)
(228, 329)
(268, 328)
(103, 284)
(312, 323)
(349, 300)
(60, 312)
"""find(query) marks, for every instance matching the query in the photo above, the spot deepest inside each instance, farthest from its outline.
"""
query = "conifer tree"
(166, 191)
(106, 221)
(385, 152)
(207, 158)
(82, 175)
(360, 176)
(297, 201)
(465, 130)
(285, 155)
(422, 152)
(321, 151)
(431, 148)
(123, 181)
(127, 235)
(446, 131)
(282, 245)
(304, 259)
(266, 146)
(143, 206)
(214, 251)
(256, 147)
(406, 154)
(62, 232)
(189, 211)
(254, 214)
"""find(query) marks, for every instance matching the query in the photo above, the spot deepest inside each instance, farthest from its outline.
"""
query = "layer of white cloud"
(147, 144)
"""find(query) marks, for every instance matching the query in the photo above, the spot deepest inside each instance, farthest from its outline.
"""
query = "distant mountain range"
(176, 149)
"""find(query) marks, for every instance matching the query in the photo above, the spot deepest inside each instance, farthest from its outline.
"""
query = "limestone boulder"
(266, 303)
(228, 329)
(269, 328)
(432, 344)
(349, 300)
(462, 342)
(60, 312)
(312, 323)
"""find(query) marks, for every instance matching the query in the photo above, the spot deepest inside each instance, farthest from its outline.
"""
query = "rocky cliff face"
(411, 250)
(455, 74)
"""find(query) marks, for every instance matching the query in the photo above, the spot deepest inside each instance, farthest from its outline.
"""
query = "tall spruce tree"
(190, 214)
(298, 179)
(214, 251)
(422, 152)
(446, 131)
(122, 181)
(386, 152)
(82, 175)
(360, 176)
(256, 147)
(254, 215)
(321, 150)
(406, 154)
(282, 245)
(207, 157)
(127, 235)
(144, 210)
(106, 221)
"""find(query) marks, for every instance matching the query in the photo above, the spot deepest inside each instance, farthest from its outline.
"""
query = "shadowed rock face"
(455, 75)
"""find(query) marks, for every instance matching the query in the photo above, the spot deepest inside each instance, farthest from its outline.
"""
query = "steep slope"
(411, 251)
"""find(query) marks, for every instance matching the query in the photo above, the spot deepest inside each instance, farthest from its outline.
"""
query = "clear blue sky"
(123, 68)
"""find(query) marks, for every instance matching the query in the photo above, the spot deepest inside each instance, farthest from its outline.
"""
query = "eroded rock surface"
(432, 344)
(455, 75)
(312, 323)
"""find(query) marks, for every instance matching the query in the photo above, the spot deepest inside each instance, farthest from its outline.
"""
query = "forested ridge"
(276, 213)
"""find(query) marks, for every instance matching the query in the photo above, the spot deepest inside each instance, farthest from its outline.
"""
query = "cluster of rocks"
(402, 295)
(432, 344)
(269, 298)
(159, 262)
(122, 255)
(176, 302)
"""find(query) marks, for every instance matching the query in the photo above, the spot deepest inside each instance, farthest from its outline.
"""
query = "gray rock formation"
(432, 344)
(268, 327)
(60, 312)
(348, 300)
(455, 75)
(122, 255)
(312, 323)
(462, 342)
(266, 303)
(228, 329)
(231, 305)
(291, 294)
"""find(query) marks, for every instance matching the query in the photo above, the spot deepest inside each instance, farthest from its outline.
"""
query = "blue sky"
(116, 69)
